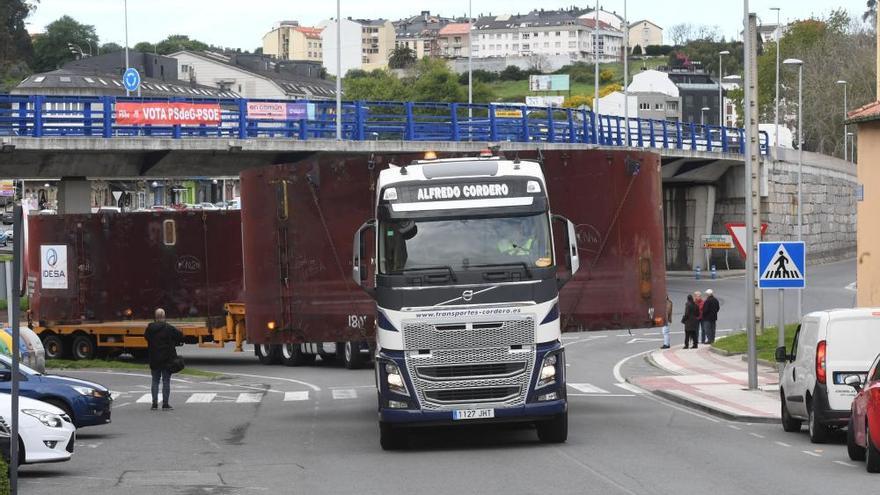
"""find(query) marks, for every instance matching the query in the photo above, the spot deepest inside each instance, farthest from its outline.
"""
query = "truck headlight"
(394, 379)
(547, 375)
(51, 420)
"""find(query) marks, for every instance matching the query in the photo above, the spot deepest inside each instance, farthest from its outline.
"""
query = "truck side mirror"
(781, 356)
(359, 269)
(572, 258)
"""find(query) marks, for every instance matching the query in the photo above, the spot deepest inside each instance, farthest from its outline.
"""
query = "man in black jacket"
(162, 338)
(710, 317)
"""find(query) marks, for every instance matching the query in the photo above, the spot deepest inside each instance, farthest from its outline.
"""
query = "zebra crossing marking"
(296, 396)
(249, 398)
(201, 398)
(587, 388)
(147, 398)
(345, 393)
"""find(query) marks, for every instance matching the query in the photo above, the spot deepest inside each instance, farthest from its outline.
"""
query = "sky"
(229, 23)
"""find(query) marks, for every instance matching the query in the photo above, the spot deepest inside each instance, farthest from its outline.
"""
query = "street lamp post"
(125, 8)
(800, 142)
(720, 93)
(845, 127)
(852, 146)
(596, 68)
(338, 70)
(703, 115)
(625, 74)
(470, 57)
(776, 102)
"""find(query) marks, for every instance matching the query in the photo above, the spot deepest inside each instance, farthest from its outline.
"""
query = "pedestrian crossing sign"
(781, 265)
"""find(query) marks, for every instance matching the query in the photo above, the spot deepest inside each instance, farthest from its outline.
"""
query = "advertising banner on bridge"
(267, 110)
(167, 113)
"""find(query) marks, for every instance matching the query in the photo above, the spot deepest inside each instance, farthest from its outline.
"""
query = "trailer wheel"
(84, 347)
(391, 438)
(292, 355)
(54, 346)
(555, 430)
(268, 353)
(351, 355)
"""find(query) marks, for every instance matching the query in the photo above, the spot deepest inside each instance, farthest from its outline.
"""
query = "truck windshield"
(464, 243)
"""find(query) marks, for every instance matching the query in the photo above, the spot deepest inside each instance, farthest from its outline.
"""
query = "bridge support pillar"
(74, 195)
(704, 214)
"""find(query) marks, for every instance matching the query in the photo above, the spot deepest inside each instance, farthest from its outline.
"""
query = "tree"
(145, 47)
(870, 14)
(402, 57)
(511, 73)
(16, 50)
(51, 49)
(605, 76)
(434, 81)
(378, 85)
(637, 50)
(681, 33)
(179, 42)
(110, 48)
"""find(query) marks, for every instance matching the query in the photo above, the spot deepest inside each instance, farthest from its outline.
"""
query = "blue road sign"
(781, 265)
(131, 79)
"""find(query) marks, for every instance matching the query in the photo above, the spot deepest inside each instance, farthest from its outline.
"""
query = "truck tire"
(351, 355)
(391, 438)
(818, 432)
(268, 353)
(554, 430)
(789, 424)
(292, 355)
(84, 347)
(856, 452)
(54, 346)
(872, 456)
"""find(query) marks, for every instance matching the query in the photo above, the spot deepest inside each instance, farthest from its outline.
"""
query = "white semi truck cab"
(461, 262)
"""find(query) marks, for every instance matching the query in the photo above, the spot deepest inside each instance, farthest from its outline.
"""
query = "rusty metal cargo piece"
(299, 220)
(123, 266)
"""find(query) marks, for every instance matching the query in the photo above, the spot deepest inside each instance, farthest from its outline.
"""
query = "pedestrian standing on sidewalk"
(162, 338)
(691, 321)
(698, 299)
(710, 317)
(667, 323)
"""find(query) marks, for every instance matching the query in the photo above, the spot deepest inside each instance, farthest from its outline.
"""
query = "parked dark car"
(87, 403)
(863, 433)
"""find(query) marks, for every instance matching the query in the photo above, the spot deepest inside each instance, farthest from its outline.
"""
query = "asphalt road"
(313, 430)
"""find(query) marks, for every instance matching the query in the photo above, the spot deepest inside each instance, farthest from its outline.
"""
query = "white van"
(828, 347)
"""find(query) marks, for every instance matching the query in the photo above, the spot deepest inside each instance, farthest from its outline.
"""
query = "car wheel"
(268, 353)
(60, 404)
(352, 355)
(53, 344)
(84, 347)
(789, 424)
(856, 452)
(818, 431)
(872, 454)
(555, 430)
(292, 355)
(391, 438)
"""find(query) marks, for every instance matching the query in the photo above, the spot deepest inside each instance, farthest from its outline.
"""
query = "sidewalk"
(705, 275)
(702, 379)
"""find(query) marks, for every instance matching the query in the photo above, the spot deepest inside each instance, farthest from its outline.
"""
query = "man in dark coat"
(162, 338)
(710, 317)
(691, 320)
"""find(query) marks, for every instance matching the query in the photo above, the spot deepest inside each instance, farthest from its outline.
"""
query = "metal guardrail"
(59, 116)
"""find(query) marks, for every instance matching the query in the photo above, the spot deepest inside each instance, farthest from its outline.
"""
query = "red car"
(863, 433)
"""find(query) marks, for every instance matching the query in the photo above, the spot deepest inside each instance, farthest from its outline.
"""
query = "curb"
(714, 412)
(720, 352)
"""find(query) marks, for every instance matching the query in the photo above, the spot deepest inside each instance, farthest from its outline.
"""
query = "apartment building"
(658, 97)
(644, 33)
(549, 33)
(454, 40)
(366, 44)
(420, 33)
(290, 41)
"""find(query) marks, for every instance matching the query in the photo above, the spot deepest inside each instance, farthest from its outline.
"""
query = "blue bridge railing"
(58, 116)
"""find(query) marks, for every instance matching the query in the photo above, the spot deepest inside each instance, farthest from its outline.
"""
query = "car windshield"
(464, 243)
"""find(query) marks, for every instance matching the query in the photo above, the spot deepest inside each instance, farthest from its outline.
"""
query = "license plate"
(464, 414)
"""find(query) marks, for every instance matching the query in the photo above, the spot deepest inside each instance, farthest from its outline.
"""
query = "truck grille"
(454, 335)
(470, 370)
(488, 394)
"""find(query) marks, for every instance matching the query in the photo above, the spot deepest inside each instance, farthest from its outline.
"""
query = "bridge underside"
(150, 157)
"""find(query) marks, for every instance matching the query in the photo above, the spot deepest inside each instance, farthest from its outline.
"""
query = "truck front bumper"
(523, 414)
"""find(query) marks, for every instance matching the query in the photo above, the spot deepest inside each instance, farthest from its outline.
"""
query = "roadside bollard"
(714, 273)
(697, 272)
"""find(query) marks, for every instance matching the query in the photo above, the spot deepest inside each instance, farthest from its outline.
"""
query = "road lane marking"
(117, 406)
(200, 398)
(782, 444)
(147, 398)
(248, 398)
(630, 387)
(811, 453)
(756, 435)
(606, 394)
(587, 388)
(345, 393)
(115, 395)
(289, 396)
(264, 377)
(616, 371)
(844, 464)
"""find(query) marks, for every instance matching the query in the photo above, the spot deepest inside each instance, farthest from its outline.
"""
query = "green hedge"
(4, 477)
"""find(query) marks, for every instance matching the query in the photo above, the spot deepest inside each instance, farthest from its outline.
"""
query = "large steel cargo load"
(122, 266)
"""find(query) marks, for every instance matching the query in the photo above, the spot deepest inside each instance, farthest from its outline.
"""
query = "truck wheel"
(818, 431)
(139, 354)
(351, 355)
(856, 452)
(872, 454)
(54, 346)
(555, 430)
(84, 347)
(268, 353)
(292, 355)
(391, 438)
(789, 424)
